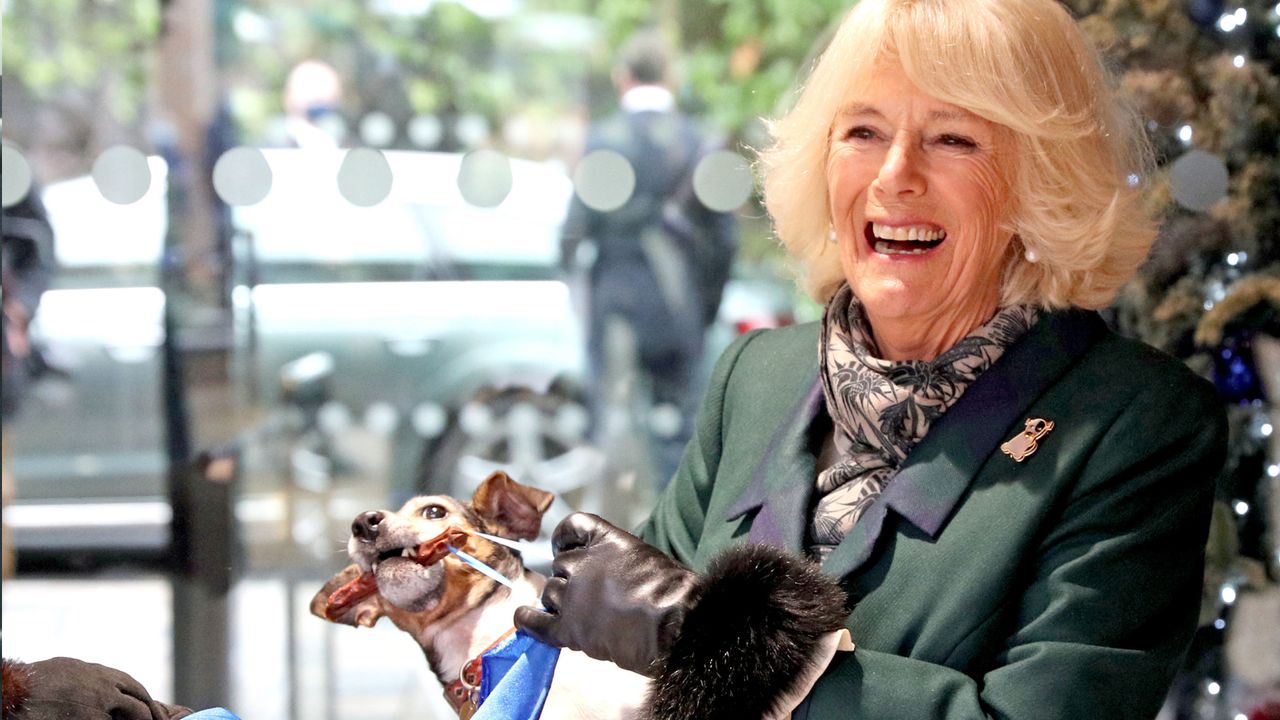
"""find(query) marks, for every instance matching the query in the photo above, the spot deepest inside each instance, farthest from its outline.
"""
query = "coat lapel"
(779, 492)
(936, 473)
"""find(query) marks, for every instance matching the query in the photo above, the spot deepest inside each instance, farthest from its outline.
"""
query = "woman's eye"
(861, 132)
(956, 141)
(434, 512)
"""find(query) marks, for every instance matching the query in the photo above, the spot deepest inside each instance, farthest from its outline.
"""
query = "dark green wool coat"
(1065, 586)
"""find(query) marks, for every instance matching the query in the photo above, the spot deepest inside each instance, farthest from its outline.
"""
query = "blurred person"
(1014, 499)
(312, 106)
(27, 269)
(660, 260)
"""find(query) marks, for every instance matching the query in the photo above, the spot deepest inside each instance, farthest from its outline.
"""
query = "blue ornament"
(1234, 373)
(1204, 12)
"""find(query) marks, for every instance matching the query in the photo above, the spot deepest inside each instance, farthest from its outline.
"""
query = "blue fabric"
(516, 678)
(212, 714)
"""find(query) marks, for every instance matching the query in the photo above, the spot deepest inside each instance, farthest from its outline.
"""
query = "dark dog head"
(402, 567)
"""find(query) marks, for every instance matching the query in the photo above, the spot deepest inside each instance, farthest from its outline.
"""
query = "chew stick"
(484, 569)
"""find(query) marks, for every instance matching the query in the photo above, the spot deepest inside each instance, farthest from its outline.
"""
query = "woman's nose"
(900, 174)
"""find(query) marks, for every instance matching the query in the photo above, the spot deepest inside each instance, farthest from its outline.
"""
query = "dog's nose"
(365, 526)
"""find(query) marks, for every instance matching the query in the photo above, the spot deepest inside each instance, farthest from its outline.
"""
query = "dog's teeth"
(407, 552)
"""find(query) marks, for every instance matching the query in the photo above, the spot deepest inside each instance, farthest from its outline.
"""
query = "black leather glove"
(611, 595)
(68, 688)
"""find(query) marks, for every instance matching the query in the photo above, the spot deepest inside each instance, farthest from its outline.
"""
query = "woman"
(1014, 499)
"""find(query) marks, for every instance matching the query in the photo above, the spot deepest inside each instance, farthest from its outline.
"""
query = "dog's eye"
(434, 512)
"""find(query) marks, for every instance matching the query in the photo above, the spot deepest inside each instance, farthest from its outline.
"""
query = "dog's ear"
(363, 613)
(514, 510)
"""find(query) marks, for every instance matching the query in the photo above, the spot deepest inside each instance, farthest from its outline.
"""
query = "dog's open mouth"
(426, 554)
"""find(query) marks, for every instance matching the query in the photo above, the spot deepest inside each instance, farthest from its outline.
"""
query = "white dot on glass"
(1198, 180)
(381, 418)
(1219, 624)
(1238, 61)
(472, 129)
(425, 131)
(484, 178)
(1241, 15)
(1226, 23)
(333, 125)
(1240, 716)
(1228, 595)
(241, 176)
(122, 174)
(333, 417)
(572, 420)
(1184, 133)
(722, 181)
(604, 180)
(665, 420)
(475, 419)
(15, 181)
(377, 129)
(1265, 430)
(1233, 259)
(364, 178)
(1242, 507)
(1213, 688)
(1273, 471)
(429, 420)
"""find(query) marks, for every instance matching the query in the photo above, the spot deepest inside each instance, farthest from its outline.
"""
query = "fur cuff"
(17, 688)
(754, 630)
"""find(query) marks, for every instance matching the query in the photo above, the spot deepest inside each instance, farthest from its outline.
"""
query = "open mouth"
(903, 239)
(427, 553)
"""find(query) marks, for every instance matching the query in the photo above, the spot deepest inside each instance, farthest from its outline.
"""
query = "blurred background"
(303, 260)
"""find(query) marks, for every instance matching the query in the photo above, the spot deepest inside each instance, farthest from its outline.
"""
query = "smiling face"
(918, 194)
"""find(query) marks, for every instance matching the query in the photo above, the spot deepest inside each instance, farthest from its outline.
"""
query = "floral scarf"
(881, 409)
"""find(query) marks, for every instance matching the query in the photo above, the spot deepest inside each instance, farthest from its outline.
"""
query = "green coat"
(1064, 586)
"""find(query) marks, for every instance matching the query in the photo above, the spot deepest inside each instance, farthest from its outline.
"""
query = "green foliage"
(58, 47)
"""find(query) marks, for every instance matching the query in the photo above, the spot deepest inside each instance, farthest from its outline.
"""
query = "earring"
(1031, 255)
(831, 235)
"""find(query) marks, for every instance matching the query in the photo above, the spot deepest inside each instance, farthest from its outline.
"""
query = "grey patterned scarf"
(881, 409)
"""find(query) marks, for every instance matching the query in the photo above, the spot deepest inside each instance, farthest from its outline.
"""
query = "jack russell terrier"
(429, 568)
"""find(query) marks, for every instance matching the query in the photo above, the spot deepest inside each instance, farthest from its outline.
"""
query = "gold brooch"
(1021, 446)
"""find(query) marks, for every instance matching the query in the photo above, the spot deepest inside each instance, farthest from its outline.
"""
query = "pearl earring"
(1031, 255)
(831, 235)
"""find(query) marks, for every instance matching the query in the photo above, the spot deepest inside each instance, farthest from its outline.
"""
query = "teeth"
(911, 233)
(888, 249)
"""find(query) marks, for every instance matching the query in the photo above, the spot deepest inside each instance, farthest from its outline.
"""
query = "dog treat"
(364, 585)
(431, 551)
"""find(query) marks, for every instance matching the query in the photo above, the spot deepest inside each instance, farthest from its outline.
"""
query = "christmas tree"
(1204, 73)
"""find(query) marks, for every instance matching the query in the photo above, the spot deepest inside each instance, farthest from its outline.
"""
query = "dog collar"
(464, 693)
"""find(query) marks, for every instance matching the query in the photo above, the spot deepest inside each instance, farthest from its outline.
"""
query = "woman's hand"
(611, 595)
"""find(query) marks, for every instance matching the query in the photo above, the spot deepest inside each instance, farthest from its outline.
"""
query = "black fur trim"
(17, 688)
(753, 630)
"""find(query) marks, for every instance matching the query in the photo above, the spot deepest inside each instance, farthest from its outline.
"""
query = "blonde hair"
(1080, 156)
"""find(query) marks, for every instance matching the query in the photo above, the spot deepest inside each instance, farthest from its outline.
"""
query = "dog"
(403, 569)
